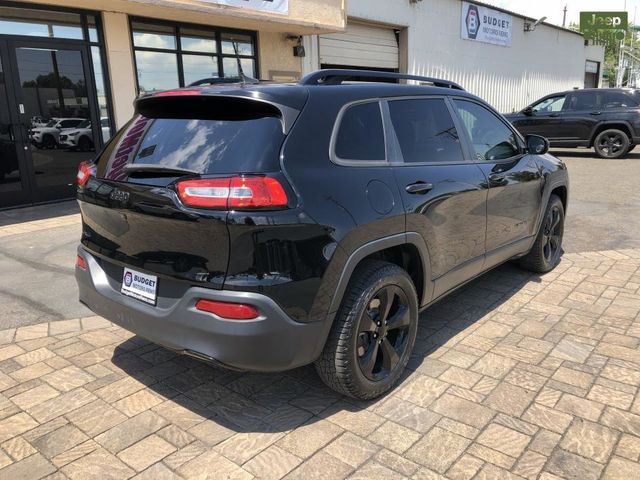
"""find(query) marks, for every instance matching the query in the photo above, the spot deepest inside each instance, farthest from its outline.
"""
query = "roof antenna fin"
(244, 78)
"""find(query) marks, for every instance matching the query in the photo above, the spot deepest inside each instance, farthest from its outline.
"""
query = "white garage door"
(360, 46)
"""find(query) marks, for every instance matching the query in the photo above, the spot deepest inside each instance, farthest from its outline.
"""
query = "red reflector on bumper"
(81, 262)
(231, 311)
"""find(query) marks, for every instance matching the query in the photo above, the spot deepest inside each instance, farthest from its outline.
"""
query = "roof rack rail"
(222, 80)
(338, 76)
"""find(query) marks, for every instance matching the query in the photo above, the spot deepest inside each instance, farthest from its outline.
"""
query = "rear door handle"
(494, 177)
(554, 115)
(596, 113)
(419, 188)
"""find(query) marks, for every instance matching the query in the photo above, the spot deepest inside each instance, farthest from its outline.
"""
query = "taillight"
(234, 192)
(178, 93)
(85, 171)
(81, 262)
(231, 311)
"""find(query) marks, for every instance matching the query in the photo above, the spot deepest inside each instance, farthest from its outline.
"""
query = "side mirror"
(528, 111)
(537, 145)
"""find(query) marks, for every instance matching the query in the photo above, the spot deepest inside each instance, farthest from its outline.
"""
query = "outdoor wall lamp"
(530, 27)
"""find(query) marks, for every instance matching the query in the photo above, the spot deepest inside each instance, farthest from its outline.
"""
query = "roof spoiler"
(338, 76)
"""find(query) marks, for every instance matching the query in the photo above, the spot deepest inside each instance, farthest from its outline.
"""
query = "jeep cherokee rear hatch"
(156, 198)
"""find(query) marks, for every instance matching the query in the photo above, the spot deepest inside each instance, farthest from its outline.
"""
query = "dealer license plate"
(139, 285)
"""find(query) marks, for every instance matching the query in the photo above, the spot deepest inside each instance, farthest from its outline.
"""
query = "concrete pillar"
(121, 66)
(311, 61)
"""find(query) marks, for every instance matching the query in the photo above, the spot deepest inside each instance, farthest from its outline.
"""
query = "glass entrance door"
(54, 122)
(14, 185)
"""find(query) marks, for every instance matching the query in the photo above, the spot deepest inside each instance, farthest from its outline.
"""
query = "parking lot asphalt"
(604, 201)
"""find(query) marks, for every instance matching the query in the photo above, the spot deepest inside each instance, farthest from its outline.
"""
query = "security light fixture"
(530, 27)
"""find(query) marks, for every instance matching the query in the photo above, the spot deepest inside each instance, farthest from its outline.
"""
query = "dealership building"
(70, 69)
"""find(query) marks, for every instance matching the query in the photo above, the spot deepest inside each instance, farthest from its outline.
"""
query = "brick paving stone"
(463, 410)
(509, 399)
(589, 440)
(465, 468)
(573, 467)
(18, 448)
(309, 438)
(98, 465)
(396, 462)
(621, 468)
(512, 377)
(130, 431)
(272, 463)
(30, 468)
(375, 471)
(352, 449)
(438, 449)
(319, 467)
(59, 441)
(548, 418)
(504, 440)
(211, 465)
(146, 452)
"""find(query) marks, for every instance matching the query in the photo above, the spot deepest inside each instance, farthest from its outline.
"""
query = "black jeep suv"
(607, 119)
(264, 227)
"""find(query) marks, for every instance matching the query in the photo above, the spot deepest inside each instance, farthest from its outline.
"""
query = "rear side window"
(361, 134)
(491, 138)
(425, 131)
(583, 101)
(618, 100)
(218, 139)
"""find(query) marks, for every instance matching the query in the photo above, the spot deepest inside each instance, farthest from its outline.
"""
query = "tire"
(85, 144)
(49, 143)
(544, 256)
(631, 147)
(612, 143)
(363, 356)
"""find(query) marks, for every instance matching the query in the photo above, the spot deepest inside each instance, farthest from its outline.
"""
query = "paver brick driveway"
(513, 376)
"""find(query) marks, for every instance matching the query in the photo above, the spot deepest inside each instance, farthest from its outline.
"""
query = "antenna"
(240, 71)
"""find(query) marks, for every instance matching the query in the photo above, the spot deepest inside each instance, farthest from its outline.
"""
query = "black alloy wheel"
(612, 143)
(383, 333)
(547, 247)
(373, 333)
(552, 234)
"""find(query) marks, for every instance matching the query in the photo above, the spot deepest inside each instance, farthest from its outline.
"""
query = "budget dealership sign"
(275, 6)
(482, 24)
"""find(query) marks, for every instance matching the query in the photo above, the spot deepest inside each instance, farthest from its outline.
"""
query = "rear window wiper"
(161, 169)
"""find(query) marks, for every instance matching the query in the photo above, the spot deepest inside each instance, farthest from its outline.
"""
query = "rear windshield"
(235, 143)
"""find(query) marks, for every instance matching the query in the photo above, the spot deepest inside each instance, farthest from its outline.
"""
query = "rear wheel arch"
(622, 126)
(407, 250)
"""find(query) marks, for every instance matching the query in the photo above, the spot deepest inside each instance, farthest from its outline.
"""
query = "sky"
(552, 9)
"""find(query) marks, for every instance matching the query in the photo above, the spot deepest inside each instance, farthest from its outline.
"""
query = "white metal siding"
(544, 61)
(360, 46)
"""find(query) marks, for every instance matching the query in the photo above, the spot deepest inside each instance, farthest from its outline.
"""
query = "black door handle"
(419, 187)
(554, 115)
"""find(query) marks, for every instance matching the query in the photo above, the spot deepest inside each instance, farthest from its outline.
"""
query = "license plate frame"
(139, 285)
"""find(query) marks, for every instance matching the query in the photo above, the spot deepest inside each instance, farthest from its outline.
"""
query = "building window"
(169, 56)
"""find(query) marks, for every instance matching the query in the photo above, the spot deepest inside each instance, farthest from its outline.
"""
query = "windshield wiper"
(151, 168)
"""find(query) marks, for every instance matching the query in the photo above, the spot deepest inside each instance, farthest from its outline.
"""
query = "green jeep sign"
(604, 27)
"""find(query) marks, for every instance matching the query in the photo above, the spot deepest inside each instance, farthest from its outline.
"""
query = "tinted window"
(70, 123)
(583, 101)
(245, 141)
(553, 104)
(425, 131)
(361, 135)
(491, 138)
(618, 99)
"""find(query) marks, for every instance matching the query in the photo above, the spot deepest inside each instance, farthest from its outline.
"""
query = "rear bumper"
(272, 342)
